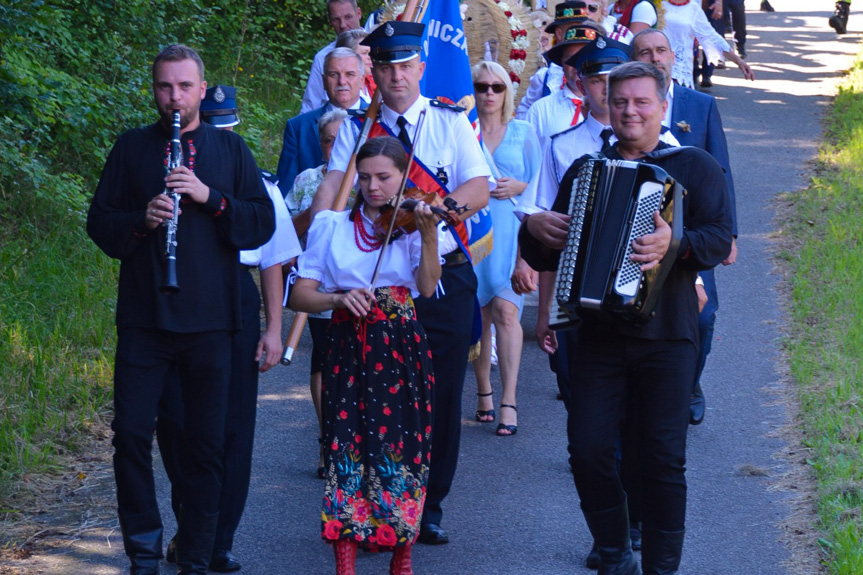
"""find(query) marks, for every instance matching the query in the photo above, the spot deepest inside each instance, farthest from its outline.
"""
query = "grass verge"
(825, 229)
(56, 342)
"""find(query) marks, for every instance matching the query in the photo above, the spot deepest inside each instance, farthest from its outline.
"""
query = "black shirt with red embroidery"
(237, 215)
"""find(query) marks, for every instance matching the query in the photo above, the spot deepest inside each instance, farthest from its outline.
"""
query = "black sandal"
(507, 429)
(485, 414)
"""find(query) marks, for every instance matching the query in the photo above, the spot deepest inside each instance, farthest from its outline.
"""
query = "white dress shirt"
(283, 245)
(562, 150)
(550, 77)
(447, 144)
(553, 114)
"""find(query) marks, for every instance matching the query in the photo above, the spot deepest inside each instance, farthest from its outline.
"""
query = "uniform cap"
(394, 41)
(600, 57)
(219, 106)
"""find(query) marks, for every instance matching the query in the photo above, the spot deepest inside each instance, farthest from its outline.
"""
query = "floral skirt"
(377, 411)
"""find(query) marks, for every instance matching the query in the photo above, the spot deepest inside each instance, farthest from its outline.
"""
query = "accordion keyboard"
(649, 200)
(578, 203)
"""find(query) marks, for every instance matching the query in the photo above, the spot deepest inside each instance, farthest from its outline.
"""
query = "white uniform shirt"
(446, 144)
(552, 114)
(562, 150)
(283, 245)
(334, 259)
(315, 96)
(550, 76)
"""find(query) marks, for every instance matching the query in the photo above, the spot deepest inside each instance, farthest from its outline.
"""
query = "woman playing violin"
(378, 378)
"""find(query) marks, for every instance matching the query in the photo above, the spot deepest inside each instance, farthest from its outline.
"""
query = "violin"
(447, 209)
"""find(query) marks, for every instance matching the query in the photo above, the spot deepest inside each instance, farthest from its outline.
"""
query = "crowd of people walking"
(369, 207)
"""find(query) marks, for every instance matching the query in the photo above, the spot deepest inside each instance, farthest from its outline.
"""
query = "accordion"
(611, 204)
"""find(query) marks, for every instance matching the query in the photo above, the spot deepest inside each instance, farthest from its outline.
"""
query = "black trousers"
(448, 321)
(145, 358)
(610, 371)
(239, 429)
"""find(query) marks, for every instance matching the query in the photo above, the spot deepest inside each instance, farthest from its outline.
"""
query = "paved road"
(513, 508)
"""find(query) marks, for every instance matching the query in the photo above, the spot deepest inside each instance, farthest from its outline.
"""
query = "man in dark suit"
(301, 147)
(694, 120)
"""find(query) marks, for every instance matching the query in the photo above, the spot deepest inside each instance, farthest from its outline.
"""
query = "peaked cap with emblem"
(569, 12)
(582, 33)
(219, 106)
(394, 41)
(600, 57)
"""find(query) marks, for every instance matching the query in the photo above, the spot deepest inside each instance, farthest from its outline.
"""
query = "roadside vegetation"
(73, 75)
(825, 228)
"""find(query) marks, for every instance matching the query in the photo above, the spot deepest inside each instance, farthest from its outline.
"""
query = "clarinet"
(175, 160)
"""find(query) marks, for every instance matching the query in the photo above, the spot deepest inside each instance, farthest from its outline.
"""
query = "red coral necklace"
(365, 241)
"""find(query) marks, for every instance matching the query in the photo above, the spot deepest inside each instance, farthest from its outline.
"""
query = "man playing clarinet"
(224, 208)
(447, 151)
(653, 363)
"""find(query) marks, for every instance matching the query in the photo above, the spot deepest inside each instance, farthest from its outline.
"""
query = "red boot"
(401, 561)
(346, 557)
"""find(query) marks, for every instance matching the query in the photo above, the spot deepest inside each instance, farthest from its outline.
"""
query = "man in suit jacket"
(694, 120)
(301, 146)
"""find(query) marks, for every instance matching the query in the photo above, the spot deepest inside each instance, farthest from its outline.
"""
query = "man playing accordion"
(651, 364)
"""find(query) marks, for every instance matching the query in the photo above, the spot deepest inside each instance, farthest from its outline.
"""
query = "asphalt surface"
(513, 509)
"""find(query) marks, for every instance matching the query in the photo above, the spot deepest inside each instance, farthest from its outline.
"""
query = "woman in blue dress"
(512, 151)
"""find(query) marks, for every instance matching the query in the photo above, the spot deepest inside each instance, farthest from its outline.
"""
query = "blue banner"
(447, 74)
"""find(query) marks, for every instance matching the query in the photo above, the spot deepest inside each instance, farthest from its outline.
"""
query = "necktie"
(403, 132)
(606, 136)
(577, 115)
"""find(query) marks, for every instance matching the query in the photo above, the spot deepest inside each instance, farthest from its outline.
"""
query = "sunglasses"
(482, 88)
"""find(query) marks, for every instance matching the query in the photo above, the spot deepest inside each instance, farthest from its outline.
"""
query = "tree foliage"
(73, 75)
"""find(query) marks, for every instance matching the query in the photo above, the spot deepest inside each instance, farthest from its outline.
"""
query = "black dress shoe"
(593, 560)
(696, 406)
(171, 551)
(432, 534)
(224, 561)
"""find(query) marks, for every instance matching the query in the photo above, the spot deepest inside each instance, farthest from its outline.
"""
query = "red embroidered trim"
(222, 205)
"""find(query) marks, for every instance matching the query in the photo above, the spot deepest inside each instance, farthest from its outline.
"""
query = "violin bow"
(398, 202)
(413, 10)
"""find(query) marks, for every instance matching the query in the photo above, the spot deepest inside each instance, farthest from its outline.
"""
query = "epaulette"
(446, 105)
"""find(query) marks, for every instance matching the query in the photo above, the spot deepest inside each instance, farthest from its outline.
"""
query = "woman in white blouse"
(685, 22)
(377, 389)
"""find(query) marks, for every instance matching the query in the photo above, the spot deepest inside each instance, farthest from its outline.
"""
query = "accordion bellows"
(611, 204)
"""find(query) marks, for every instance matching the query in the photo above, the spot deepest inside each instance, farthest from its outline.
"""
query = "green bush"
(73, 75)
